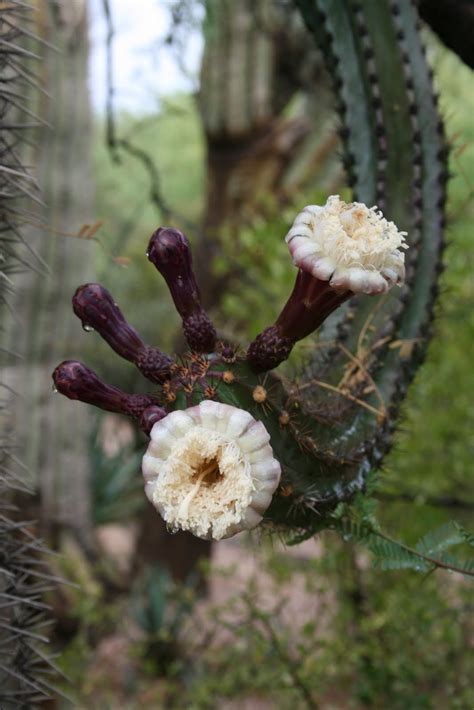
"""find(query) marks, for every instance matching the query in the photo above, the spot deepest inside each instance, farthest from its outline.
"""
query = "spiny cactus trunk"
(54, 445)
(24, 669)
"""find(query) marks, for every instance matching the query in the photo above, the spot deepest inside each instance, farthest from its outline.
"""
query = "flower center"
(207, 472)
(205, 485)
(352, 220)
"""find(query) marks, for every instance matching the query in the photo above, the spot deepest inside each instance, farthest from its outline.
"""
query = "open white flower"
(350, 245)
(210, 470)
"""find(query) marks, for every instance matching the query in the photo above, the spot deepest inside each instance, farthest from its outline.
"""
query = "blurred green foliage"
(116, 489)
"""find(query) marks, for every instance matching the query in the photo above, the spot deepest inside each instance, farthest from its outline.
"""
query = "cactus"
(333, 422)
(24, 667)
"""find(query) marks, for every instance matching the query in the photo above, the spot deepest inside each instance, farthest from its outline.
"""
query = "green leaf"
(466, 536)
(442, 538)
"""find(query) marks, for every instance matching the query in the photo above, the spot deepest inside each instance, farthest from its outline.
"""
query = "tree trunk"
(53, 438)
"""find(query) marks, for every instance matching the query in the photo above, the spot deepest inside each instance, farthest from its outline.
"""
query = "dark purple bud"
(269, 349)
(96, 308)
(199, 332)
(76, 381)
(170, 252)
(310, 303)
(150, 416)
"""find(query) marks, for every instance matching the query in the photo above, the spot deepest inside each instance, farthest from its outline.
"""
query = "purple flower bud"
(310, 303)
(96, 308)
(76, 381)
(170, 252)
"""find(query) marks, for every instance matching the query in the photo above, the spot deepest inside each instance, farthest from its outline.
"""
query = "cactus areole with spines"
(219, 426)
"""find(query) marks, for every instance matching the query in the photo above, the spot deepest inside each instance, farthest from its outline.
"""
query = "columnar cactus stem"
(76, 381)
(96, 308)
(169, 251)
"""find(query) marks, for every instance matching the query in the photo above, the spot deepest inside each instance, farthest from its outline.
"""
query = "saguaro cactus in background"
(258, 61)
(333, 421)
(63, 170)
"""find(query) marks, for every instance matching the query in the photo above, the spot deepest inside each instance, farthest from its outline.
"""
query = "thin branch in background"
(155, 188)
(435, 562)
(435, 501)
(116, 144)
(109, 105)
(289, 663)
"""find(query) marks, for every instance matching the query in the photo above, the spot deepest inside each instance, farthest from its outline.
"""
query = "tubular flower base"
(210, 470)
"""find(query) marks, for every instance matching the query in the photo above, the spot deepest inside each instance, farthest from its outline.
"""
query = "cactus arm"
(414, 196)
(331, 24)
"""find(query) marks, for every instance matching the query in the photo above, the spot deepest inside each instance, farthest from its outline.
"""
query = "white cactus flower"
(210, 469)
(350, 245)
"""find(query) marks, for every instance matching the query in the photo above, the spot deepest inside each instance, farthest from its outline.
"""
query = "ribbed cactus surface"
(24, 669)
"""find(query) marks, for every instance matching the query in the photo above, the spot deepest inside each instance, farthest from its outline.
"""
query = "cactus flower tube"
(96, 308)
(340, 250)
(76, 381)
(170, 253)
(210, 469)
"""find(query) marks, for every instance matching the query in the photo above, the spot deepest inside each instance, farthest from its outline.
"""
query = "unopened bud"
(76, 381)
(170, 253)
(96, 308)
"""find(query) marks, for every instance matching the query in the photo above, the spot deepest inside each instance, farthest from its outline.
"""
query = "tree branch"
(435, 501)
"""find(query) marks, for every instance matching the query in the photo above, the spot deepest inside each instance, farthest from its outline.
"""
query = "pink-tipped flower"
(170, 252)
(96, 308)
(340, 250)
(76, 381)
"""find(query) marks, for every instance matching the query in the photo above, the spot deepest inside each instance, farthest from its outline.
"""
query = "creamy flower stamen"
(210, 470)
(350, 245)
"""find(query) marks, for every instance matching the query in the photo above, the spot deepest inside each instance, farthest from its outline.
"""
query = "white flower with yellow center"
(350, 245)
(210, 470)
